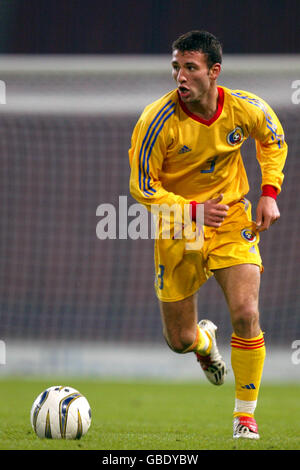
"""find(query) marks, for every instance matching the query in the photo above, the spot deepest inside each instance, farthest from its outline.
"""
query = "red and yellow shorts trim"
(180, 271)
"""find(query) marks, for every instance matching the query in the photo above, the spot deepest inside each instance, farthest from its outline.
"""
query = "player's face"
(192, 75)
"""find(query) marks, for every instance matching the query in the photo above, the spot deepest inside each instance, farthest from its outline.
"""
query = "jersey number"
(212, 162)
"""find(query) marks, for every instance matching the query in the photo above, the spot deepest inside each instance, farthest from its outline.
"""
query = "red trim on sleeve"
(193, 209)
(269, 190)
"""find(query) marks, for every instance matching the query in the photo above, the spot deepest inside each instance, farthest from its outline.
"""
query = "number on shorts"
(160, 276)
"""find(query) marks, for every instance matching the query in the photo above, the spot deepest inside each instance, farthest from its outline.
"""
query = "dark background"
(57, 280)
(145, 27)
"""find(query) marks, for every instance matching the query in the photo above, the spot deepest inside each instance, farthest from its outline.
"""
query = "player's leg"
(179, 320)
(240, 285)
(183, 334)
(179, 275)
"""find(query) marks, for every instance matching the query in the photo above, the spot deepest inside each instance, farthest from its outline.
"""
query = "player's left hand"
(267, 213)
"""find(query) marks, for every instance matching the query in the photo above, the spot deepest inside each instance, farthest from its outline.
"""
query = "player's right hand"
(214, 212)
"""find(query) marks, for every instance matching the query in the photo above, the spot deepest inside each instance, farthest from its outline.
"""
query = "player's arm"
(146, 156)
(267, 212)
(214, 211)
(271, 152)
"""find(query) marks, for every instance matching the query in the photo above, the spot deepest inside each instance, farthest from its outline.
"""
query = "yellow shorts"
(180, 272)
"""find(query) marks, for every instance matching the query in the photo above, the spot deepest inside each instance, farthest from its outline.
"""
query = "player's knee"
(180, 341)
(245, 319)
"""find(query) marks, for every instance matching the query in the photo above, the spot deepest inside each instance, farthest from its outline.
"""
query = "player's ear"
(215, 71)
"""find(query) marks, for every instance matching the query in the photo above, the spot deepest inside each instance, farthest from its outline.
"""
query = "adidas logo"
(184, 149)
(249, 387)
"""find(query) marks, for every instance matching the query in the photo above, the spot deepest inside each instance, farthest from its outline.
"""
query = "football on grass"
(60, 412)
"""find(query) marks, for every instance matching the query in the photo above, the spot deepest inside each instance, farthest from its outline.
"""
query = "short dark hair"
(201, 41)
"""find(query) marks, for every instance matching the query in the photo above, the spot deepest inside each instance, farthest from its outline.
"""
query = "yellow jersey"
(177, 157)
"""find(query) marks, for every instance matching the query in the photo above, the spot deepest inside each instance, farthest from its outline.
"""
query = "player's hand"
(214, 212)
(267, 213)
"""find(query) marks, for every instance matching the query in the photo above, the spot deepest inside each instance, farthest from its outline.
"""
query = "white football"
(60, 412)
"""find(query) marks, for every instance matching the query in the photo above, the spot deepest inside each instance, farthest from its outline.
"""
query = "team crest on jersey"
(236, 136)
(248, 235)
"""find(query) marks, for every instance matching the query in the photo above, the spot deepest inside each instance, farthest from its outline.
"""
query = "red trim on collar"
(207, 122)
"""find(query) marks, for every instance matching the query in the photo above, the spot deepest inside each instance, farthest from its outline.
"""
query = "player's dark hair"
(201, 41)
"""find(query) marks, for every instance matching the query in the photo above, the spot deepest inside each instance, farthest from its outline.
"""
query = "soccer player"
(186, 150)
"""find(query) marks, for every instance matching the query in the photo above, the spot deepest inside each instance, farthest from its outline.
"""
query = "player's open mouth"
(183, 91)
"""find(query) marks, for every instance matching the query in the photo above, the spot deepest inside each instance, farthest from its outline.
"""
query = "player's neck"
(206, 106)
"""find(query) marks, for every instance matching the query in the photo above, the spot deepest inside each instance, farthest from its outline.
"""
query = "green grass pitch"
(144, 415)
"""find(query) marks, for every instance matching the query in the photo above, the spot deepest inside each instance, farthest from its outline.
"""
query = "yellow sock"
(202, 343)
(247, 360)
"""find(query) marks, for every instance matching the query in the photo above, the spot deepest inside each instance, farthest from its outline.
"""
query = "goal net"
(65, 130)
